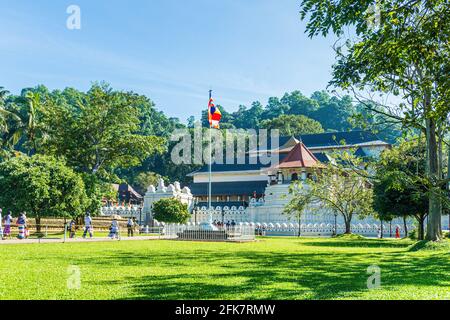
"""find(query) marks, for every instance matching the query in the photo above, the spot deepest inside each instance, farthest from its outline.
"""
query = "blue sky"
(173, 51)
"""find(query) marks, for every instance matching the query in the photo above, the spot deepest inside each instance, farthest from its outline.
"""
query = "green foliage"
(300, 199)
(144, 179)
(41, 186)
(332, 113)
(400, 188)
(97, 189)
(424, 245)
(342, 187)
(405, 56)
(171, 210)
(293, 125)
(413, 235)
(100, 132)
(349, 237)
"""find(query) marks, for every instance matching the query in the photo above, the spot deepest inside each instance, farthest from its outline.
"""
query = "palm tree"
(3, 113)
(23, 123)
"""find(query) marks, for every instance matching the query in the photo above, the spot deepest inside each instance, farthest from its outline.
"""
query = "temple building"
(256, 194)
(237, 184)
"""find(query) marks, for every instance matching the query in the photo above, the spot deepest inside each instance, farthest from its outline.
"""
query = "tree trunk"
(421, 232)
(405, 226)
(299, 226)
(348, 228)
(381, 229)
(434, 231)
(448, 168)
(38, 223)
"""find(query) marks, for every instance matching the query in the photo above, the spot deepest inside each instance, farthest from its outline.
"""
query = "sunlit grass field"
(271, 268)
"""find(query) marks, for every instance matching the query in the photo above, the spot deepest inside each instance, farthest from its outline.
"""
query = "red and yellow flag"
(214, 115)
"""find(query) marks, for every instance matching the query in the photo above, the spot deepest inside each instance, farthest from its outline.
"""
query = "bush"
(350, 237)
(171, 210)
(413, 234)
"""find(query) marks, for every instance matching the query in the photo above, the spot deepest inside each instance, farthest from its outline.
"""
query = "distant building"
(236, 184)
(256, 194)
(127, 195)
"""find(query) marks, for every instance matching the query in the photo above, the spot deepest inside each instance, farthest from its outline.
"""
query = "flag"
(214, 115)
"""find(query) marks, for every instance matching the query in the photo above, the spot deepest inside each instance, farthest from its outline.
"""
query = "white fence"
(196, 232)
(322, 229)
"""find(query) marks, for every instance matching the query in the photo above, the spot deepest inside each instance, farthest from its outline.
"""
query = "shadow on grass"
(424, 245)
(364, 243)
(249, 274)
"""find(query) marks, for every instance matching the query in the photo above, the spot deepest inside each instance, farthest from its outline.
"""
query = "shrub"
(171, 210)
(413, 235)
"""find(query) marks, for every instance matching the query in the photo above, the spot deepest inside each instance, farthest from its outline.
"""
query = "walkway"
(59, 240)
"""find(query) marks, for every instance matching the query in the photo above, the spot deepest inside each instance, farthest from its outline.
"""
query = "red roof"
(299, 157)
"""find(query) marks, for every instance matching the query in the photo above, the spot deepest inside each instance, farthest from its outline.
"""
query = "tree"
(171, 210)
(334, 114)
(293, 125)
(5, 114)
(97, 190)
(100, 132)
(42, 186)
(144, 179)
(406, 55)
(299, 104)
(400, 186)
(341, 188)
(298, 203)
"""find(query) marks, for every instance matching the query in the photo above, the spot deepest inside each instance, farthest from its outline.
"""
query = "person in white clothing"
(114, 229)
(88, 226)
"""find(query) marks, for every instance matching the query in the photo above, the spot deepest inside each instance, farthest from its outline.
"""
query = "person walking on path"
(114, 229)
(130, 227)
(88, 226)
(22, 225)
(135, 226)
(397, 233)
(7, 221)
(72, 229)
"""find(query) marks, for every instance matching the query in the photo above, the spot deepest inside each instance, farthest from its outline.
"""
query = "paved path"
(58, 240)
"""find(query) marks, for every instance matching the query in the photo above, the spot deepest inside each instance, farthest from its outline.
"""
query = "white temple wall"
(230, 177)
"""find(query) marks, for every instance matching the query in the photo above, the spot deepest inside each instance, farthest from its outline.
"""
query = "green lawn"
(275, 268)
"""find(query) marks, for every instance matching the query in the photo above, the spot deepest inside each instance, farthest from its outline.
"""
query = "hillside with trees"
(115, 136)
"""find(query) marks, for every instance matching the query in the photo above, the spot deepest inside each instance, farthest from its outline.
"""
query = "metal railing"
(63, 232)
(198, 232)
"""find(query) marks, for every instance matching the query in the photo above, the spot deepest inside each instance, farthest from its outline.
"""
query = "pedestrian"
(21, 225)
(88, 226)
(72, 229)
(397, 233)
(130, 227)
(7, 225)
(1, 222)
(114, 229)
(135, 226)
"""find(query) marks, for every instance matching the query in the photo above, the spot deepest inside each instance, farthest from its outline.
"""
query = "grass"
(272, 268)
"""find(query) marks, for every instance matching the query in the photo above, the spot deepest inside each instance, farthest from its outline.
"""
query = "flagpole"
(210, 160)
